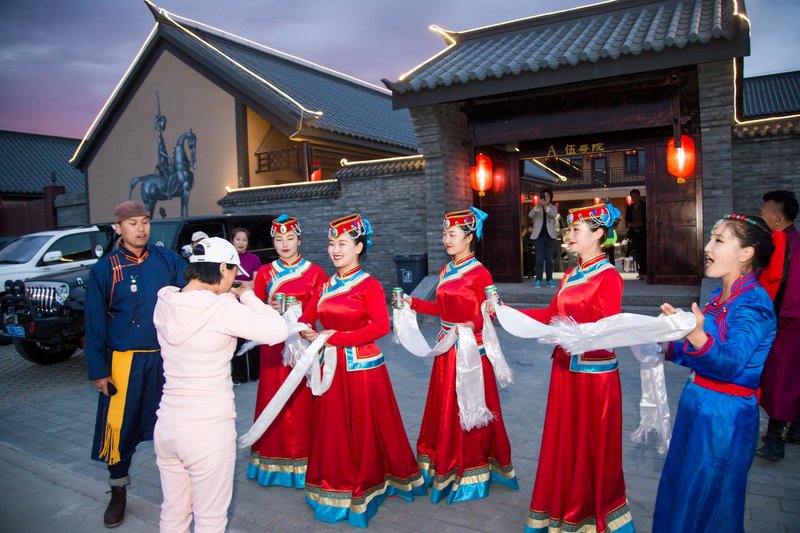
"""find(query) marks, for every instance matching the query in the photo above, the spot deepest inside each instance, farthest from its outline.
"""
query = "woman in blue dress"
(704, 480)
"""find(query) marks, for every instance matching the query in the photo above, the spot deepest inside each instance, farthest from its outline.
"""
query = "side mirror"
(53, 257)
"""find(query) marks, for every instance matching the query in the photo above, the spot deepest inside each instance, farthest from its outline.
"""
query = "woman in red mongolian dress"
(280, 456)
(579, 484)
(359, 448)
(458, 464)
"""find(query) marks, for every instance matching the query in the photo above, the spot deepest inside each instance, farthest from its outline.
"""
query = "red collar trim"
(349, 272)
(293, 263)
(593, 261)
(464, 259)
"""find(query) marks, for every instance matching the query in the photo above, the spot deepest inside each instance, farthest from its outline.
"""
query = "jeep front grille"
(43, 298)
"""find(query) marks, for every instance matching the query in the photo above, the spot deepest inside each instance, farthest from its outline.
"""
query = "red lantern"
(536, 199)
(481, 174)
(681, 161)
(316, 174)
(628, 200)
(597, 200)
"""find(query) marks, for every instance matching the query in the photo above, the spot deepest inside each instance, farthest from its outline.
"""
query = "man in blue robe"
(122, 351)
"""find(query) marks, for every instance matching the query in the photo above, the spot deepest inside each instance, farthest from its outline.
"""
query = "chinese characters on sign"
(577, 149)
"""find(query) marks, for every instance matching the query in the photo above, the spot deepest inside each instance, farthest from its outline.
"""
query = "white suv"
(53, 251)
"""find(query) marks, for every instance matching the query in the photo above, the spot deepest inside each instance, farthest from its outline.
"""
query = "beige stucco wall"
(189, 101)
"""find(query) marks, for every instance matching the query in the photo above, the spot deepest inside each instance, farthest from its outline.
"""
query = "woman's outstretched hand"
(697, 338)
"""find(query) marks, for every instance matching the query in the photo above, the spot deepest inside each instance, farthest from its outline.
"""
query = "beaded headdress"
(595, 216)
(354, 224)
(742, 218)
(471, 220)
(283, 225)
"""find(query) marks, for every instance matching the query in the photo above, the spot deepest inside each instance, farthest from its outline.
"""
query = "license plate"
(14, 330)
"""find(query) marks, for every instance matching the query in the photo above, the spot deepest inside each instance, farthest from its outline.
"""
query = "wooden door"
(500, 249)
(674, 223)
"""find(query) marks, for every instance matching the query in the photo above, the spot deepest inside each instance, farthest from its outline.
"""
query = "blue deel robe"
(714, 440)
(120, 318)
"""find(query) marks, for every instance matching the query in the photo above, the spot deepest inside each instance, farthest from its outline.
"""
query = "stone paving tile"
(48, 413)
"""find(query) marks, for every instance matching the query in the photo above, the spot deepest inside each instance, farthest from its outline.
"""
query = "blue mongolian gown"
(704, 481)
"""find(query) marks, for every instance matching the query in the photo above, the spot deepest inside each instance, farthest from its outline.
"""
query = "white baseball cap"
(199, 235)
(218, 250)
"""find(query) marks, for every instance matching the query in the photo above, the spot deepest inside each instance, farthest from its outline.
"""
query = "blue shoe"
(537, 284)
(551, 283)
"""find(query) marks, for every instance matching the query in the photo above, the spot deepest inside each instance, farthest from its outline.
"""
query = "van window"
(162, 233)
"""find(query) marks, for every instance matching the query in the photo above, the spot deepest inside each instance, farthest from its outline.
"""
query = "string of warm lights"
(103, 109)
(282, 53)
(346, 163)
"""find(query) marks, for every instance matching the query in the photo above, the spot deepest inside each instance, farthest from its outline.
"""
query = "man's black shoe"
(115, 512)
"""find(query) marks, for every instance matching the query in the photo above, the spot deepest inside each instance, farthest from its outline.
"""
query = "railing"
(279, 159)
(613, 177)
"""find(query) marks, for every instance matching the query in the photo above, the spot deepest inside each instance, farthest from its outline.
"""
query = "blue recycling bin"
(411, 269)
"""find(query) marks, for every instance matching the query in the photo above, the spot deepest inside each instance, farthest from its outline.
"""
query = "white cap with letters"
(218, 250)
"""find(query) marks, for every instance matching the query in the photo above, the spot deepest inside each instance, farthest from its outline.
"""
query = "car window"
(162, 233)
(22, 249)
(212, 229)
(75, 247)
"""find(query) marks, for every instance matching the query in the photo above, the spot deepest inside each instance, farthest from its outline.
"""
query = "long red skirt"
(458, 464)
(359, 448)
(280, 456)
(579, 480)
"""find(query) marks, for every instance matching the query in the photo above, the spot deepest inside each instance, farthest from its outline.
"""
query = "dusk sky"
(61, 59)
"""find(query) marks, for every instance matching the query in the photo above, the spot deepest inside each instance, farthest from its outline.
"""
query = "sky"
(61, 59)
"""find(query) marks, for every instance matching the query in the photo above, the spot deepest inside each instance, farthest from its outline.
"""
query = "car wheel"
(43, 354)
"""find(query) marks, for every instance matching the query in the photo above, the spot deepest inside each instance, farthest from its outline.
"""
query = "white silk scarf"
(309, 361)
(470, 392)
(654, 415)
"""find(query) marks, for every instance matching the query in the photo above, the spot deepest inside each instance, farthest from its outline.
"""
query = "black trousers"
(246, 366)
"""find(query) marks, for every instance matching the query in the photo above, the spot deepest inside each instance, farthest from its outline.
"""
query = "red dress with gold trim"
(359, 448)
(458, 464)
(280, 456)
(579, 482)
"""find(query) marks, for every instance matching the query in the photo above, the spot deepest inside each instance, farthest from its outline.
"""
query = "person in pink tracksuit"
(195, 435)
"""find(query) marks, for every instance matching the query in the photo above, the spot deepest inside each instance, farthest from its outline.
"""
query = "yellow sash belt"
(120, 374)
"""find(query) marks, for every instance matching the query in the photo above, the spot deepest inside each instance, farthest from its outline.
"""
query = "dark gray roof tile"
(774, 94)
(568, 39)
(390, 167)
(303, 191)
(29, 159)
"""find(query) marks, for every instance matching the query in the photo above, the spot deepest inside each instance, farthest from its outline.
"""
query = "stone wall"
(395, 205)
(762, 164)
(71, 209)
(442, 137)
(716, 117)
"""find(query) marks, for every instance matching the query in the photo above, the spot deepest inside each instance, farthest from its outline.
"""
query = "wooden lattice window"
(279, 159)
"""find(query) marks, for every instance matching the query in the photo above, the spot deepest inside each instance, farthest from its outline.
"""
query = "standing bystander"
(122, 352)
(636, 221)
(544, 236)
(780, 389)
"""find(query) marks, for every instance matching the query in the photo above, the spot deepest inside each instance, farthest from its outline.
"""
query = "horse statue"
(175, 180)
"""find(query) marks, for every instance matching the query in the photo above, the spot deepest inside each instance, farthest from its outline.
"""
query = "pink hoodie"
(197, 331)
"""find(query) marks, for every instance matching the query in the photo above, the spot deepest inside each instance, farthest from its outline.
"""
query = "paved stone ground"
(48, 482)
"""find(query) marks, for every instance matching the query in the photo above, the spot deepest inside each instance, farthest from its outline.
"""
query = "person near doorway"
(780, 388)
(246, 366)
(459, 464)
(636, 221)
(123, 356)
(718, 417)
(544, 235)
(579, 479)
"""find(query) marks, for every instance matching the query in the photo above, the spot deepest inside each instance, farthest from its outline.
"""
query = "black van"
(48, 310)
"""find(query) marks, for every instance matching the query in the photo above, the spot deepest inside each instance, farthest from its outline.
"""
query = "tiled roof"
(348, 107)
(774, 94)
(27, 161)
(390, 167)
(304, 191)
(768, 127)
(593, 34)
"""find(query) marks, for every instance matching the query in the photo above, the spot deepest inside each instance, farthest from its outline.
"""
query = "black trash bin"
(411, 269)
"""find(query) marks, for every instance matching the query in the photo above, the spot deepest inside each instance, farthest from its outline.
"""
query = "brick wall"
(442, 137)
(71, 209)
(393, 204)
(716, 118)
(762, 164)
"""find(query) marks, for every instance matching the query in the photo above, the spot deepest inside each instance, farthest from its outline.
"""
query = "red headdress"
(283, 225)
